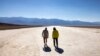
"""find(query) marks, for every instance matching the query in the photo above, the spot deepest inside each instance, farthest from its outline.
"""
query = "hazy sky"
(84, 10)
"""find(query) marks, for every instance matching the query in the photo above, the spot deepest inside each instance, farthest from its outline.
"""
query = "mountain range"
(45, 22)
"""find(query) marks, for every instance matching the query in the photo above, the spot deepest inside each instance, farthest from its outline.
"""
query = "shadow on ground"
(46, 49)
(59, 50)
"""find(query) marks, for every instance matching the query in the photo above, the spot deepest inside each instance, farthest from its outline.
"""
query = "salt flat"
(74, 41)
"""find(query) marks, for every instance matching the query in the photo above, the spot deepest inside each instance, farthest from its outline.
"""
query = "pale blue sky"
(83, 10)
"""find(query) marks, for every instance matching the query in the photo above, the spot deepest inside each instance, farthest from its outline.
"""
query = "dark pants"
(45, 41)
(55, 42)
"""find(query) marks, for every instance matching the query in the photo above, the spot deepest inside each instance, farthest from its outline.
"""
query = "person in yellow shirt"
(55, 35)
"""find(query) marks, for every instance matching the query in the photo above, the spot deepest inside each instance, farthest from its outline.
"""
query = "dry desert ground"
(73, 41)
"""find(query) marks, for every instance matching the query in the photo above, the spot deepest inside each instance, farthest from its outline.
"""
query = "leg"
(53, 41)
(46, 41)
(57, 42)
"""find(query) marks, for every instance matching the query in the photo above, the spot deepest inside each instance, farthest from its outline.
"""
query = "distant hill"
(44, 22)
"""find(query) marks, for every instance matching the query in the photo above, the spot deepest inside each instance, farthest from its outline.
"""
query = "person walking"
(55, 35)
(45, 35)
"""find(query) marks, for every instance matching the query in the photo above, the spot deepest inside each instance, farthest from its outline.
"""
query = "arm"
(42, 33)
(58, 33)
(48, 34)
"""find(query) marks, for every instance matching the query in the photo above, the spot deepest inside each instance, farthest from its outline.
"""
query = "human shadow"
(47, 49)
(59, 50)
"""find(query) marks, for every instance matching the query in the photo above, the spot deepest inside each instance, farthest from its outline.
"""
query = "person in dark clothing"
(45, 35)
